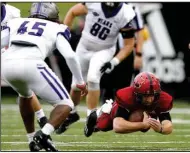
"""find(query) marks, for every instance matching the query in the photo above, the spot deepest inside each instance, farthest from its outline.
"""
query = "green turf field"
(63, 8)
(13, 136)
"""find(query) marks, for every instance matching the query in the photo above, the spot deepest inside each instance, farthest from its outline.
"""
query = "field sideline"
(13, 136)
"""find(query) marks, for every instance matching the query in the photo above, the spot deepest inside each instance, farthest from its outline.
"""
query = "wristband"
(115, 61)
(138, 54)
(161, 130)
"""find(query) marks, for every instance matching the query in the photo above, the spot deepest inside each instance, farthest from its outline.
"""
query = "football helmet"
(146, 84)
(48, 11)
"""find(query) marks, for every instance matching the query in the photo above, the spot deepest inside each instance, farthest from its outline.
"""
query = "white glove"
(106, 108)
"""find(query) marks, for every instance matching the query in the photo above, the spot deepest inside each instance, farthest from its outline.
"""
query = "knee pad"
(93, 86)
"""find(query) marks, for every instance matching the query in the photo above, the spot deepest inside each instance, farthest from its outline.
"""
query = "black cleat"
(90, 123)
(43, 141)
(42, 121)
(72, 118)
(34, 147)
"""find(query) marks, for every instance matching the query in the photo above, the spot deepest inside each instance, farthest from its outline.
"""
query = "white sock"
(88, 112)
(73, 111)
(30, 136)
(48, 129)
(40, 114)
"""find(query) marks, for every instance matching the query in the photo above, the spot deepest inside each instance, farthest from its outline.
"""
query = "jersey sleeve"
(138, 21)
(65, 32)
(128, 15)
(124, 97)
(165, 103)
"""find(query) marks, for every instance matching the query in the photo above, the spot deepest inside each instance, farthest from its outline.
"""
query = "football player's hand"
(109, 66)
(155, 125)
(83, 88)
(138, 62)
(146, 124)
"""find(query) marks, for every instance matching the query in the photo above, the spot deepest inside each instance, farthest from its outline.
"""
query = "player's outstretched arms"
(121, 125)
(76, 10)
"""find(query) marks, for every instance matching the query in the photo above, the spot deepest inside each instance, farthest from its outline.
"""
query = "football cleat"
(90, 123)
(34, 147)
(72, 118)
(42, 121)
(43, 141)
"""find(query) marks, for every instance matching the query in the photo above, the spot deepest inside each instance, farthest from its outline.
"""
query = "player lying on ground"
(125, 115)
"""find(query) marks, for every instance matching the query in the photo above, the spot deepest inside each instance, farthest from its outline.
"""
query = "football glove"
(109, 66)
(106, 108)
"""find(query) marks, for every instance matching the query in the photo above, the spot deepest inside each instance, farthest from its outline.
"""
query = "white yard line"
(79, 135)
(89, 142)
(83, 108)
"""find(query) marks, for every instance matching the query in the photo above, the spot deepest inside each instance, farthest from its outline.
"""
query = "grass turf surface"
(13, 135)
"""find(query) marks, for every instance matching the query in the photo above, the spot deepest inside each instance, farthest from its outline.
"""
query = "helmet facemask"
(111, 6)
(47, 11)
(147, 90)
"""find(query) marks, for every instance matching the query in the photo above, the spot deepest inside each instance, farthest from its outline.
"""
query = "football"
(136, 116)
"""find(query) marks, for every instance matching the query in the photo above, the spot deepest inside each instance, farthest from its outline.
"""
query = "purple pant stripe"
(65, 93)
(51, 84)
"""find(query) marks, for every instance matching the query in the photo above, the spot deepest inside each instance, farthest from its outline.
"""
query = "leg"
(92, 99)
(41, 118)
(27, 114)
(75, 93)
(52, 91)
(94, 75)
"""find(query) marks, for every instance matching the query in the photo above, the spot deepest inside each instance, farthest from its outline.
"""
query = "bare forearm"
(140, 41)
(166, 127)
(69, 19)
(77, 10)
(125, 52)
(122, 126)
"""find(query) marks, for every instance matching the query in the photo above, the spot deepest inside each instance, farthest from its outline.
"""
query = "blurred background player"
(27, 73)
(97, 46)
(9, 12)
(122, 75)
(125, 114)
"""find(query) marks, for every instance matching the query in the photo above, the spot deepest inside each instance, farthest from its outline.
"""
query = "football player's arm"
(77, 10)
(65, 49)
(165, 124)
(5, 35)
(121, 125)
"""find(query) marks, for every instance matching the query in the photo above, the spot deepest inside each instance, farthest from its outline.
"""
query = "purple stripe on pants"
(51, 84)
(64, 92)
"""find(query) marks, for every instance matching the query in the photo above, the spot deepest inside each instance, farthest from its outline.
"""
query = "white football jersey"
(39, 32)
(8, 12)
(104, 30)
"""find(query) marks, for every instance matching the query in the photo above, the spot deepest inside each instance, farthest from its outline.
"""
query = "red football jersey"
(126, 98)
